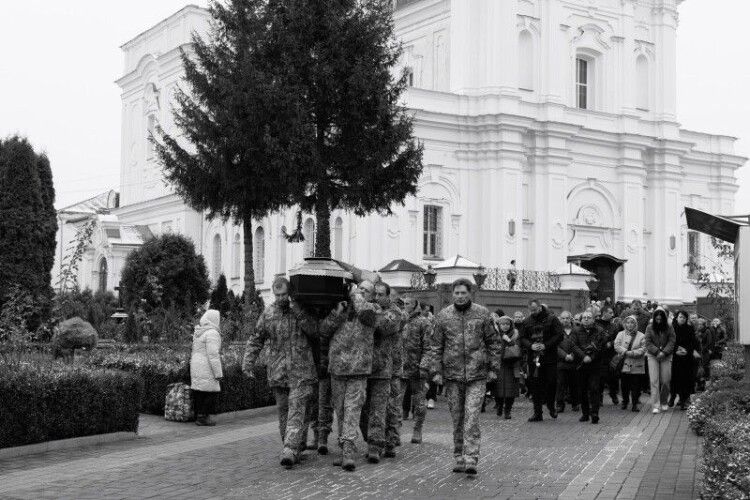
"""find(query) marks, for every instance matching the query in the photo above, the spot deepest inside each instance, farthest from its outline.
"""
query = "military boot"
(314, 444)
(373, 455)
(288, 458)
(390, 451)
(416, 436)
(348, 457)
(460, 465)
(339, 460)
(323, 443)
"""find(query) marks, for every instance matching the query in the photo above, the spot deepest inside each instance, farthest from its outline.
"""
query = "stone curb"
(65, 444)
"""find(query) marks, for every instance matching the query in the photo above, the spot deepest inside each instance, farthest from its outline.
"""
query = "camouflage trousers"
(292, 406)
(465, 404)
(393, 416)
(418, 386)
(319, 415)
(348, 395)
(372, 420)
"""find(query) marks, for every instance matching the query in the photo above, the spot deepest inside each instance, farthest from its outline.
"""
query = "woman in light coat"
(632, 344)
(205, 367)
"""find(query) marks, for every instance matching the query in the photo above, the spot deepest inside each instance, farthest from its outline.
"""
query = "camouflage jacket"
(290, 356)
(465, 346)
(417, 335)
(387, 328)
(351, 338)
(398, 348)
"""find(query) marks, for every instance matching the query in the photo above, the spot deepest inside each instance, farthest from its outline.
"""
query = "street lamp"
(480, 276)
(429, 276)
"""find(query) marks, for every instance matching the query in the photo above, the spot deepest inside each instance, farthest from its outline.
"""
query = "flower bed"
(160, 366)
(50, 401)
(721, 415)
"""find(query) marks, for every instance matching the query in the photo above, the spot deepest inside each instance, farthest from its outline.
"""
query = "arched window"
(216, 269)
(525, 61)
(259, 263)
(338, 237)
(642, 83)
(282, 250)
(103, 275)
(409, 72)
(237, 256)
(308, 231)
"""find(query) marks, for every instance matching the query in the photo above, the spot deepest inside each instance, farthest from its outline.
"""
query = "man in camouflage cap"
(350, 332)
(291, 368)
(373, 418)
(417, 335)
(465, 352)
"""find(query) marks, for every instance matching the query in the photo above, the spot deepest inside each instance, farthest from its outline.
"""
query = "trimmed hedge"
(45, 402)
(728, 396)
(161, 366)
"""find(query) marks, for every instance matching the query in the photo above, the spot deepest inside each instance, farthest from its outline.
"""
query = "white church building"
(551, 135)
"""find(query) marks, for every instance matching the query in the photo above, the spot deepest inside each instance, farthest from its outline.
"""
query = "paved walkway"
(628, 455)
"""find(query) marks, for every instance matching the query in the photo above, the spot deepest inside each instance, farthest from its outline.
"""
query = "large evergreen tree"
(358, 151)
(237, 124)
(26, 221)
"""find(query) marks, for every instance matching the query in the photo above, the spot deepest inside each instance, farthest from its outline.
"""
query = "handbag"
(618, 360)
(511, 352)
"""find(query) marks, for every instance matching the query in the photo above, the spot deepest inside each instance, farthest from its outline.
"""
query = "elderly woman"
(508, 379)
(631, 344)
(205, 367)
(660, 340)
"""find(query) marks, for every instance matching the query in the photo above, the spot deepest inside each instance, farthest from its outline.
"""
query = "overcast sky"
(59, 60)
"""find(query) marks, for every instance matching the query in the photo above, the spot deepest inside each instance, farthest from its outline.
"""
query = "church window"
(103, 269)
(672, 242)
(432, 233)
(511, 228)
(694, 253)
(308, 231)
(259, 244)
(237, 255)
(409, 73)
(216, 269)
(525, 61)
(583, 83)
(338, 238)
(642, 83)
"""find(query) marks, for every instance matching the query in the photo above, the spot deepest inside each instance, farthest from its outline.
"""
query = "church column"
(551, 164)
(632, 176)
(626, 70)
(665, 24)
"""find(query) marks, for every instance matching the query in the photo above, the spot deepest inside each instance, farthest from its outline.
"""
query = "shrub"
(731, 365)
(726, 457)
(160, 366)
(72, 334)
(96, 308)
(165, 271)
(733, 396)
(55, 401)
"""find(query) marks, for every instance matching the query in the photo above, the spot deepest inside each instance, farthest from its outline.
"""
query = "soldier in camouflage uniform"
(465, 352)
(397, 389)
(291, 369)
(350, 332)
(373, 418)
(417, 335)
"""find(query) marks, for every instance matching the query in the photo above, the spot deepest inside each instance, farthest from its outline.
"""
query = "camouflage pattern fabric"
(465, 346)
(419, 387)
(397, 353)
(348, 395)
(394, 413)
(292, 405)
(178, 404)
(417, 335)
(290, 357)
(372, 420)
(351, 339)
(325, 406)
(387, 327)
(465, 405)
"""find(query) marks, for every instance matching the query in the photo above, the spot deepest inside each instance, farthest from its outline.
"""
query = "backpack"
(178, 404)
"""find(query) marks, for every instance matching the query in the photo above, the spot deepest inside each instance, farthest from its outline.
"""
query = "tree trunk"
(323, 233)
(247, 227)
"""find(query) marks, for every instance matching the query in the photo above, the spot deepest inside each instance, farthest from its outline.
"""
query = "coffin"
(320, 283)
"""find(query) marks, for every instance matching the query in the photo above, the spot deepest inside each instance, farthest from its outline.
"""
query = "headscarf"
(210, 320)
(510, 322)
(625, 323)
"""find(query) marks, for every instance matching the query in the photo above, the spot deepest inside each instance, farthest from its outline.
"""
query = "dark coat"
(589, 341)
(542, 327)
(684, 367)
(563, 349)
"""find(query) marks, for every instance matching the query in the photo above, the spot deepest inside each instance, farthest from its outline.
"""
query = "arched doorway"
(604, 267)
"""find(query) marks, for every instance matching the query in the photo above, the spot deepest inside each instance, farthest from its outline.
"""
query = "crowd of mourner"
(379, 359)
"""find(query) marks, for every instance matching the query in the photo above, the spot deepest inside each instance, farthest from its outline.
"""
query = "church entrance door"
(604, 267)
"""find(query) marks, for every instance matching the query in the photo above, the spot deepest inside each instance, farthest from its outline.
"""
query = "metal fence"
(501, 280)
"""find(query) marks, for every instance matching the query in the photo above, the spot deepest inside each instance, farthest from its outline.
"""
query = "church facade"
(550, 132)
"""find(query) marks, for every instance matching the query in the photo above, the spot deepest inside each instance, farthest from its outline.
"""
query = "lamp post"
(429, 276)
(480, 276)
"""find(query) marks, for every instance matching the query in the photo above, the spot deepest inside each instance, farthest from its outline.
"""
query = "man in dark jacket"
(641, 315)
(567, 378)
(465, 352)
(542, 332)
(589, 343)
(611, 326)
